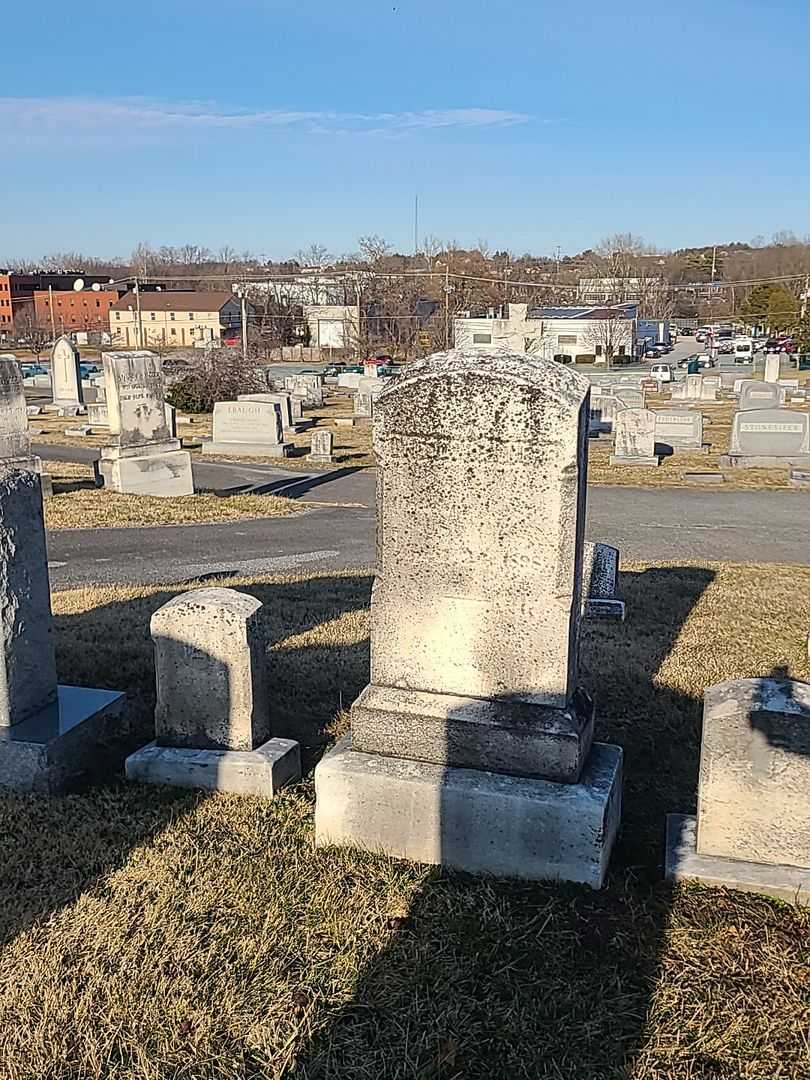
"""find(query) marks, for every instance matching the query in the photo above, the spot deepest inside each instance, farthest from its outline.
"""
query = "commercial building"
(592, 334)
(174, 318)
(65, 310)
(17, 291)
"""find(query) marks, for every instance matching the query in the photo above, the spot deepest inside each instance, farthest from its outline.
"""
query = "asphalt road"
(663, 525)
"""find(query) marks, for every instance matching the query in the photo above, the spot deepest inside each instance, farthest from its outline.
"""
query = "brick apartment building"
(85, 310)
(17, 291)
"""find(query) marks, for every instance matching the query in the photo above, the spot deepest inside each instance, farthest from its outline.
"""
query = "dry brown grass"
(78, 504)
(158, 935)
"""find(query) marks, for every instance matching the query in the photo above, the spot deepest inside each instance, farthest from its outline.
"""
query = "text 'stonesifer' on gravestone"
(473, 719)
(763, 437)
(143, 458)
(66, 378)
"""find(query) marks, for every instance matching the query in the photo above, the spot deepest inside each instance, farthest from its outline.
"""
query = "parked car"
(687, 331)
(334, 369)
(703, 359)
(725, 347)
(29, 370)
(772, 344)
(89, 369)
(653, 352)
(743, 351)
(563, 358)
(663, 347)
(662, 373)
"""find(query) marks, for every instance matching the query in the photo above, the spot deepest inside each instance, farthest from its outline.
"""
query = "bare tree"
(373, 249)
(608, 332)
(29, 332)
(314, 255)
(212, 375)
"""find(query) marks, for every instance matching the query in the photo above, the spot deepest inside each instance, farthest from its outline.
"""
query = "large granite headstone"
(49, 735)
(470, 747)
(15, 437)
(752, 829)
(763, 438)
(760, 395)
(212, 712)
(247, 428)
(634, 438)
(679, 429)
(144, 458)
(66, 377)
(283, 401)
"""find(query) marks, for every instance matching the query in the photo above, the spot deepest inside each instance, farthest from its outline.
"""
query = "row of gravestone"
(472, 745)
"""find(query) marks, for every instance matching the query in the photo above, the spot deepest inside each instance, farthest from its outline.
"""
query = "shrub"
(214, 375)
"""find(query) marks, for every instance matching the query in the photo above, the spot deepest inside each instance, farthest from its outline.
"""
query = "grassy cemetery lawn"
(78, 504)
(148, 933)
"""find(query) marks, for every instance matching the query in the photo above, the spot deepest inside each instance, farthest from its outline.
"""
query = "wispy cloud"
(102, 119)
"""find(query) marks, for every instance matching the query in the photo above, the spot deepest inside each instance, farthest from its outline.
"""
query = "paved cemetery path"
(338, 531)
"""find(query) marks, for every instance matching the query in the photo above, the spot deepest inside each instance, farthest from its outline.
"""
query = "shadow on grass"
(490, 978)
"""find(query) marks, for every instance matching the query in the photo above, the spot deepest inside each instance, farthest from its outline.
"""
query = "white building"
(331, 326)
(555, 331)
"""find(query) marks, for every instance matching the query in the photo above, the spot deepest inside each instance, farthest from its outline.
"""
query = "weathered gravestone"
(629, 397)
(368, 390)
(349, 380)
(634, 438)
(321, 446)
(212, 715)
(66, 378)
(772, 366)
(284, 403)
(171, 419)
(760, 395)
(15, 437)
(308, 387)
(49, 734)
(679, 429)
(602, 412)
(471, 745)
(600, 576)
(752, 830)
(143, 459)
(769, 438)
(248, 428)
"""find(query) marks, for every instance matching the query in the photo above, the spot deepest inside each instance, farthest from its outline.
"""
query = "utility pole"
(139, 326)
(714, 263)
(359, 315)
(243, 301)
(53, 318)
(447, 304)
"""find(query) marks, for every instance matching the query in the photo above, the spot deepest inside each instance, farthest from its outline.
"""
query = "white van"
(743, 351)
(662, 373)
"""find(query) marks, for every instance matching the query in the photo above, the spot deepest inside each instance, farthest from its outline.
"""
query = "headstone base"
(273, 450)
(471, 820)
(683, 863)
(163, 475)
(616, 459)
(78, 735)
(263, 771)
(762, 461)
(67, 408)
(321, 459)
(604, 610)
(473, 733)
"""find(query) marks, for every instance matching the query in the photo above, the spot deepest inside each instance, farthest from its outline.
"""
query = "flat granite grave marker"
(66, 378)
(634, 438)
(212, 713)
(50, 735)
(247, 428)
(468, 748)
(752, 829)
(143, 459)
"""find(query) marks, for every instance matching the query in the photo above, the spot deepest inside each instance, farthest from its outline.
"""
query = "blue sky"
(270, 126)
